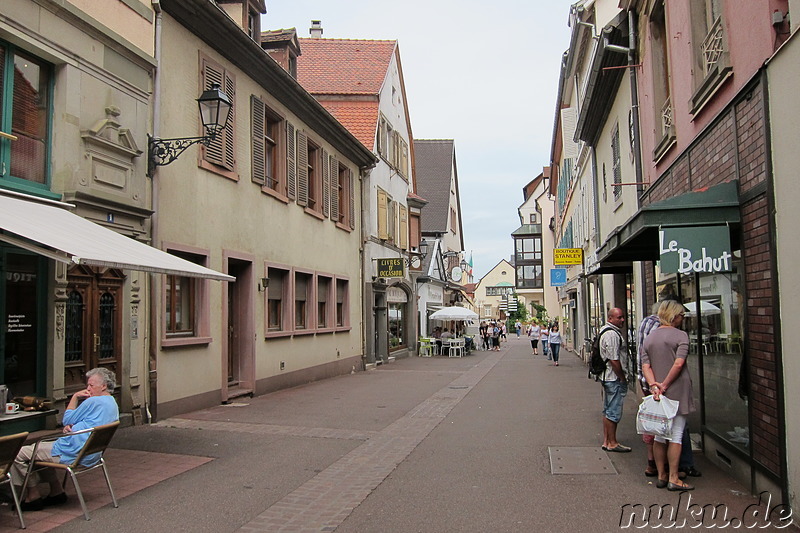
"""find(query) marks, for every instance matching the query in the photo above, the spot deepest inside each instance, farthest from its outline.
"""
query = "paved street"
(418, 445)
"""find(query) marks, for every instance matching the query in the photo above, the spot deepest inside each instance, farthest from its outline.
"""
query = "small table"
(7, 422)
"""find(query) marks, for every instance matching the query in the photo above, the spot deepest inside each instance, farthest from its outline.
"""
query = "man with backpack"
(615, 385)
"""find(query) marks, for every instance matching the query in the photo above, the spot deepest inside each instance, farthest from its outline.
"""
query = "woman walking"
(533, 335)
(554, 341)
(544, 335)
(664, 354)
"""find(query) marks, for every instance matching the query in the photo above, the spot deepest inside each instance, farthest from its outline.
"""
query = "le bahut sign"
(695, 249)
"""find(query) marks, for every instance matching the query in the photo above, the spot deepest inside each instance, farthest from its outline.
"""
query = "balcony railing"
(713, 46)
(666, 117)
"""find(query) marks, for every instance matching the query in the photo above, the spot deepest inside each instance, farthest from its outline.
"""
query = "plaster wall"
(783, 80)
(501, 274)
(131, 19)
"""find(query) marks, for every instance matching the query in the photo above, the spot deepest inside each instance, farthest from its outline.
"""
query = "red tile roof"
(344, 66)
(358, 116)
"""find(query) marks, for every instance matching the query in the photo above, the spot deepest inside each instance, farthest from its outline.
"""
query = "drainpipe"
(152, 363)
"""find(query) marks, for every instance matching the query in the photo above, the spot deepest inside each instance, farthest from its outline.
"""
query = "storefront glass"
(21, 276)
(396, 319)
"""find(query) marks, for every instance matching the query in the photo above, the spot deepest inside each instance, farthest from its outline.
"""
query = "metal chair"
(426, 347)
(456, 348)
(97, 443)
(9, 448)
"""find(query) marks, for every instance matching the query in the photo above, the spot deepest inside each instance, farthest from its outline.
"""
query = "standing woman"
(533, 334)
(555, 342)
(544, 335)
(664, 354)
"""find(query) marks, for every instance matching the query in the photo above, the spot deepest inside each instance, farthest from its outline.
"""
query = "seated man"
(97, 407)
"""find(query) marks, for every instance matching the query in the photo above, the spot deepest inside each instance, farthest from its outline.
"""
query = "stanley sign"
(568, 256)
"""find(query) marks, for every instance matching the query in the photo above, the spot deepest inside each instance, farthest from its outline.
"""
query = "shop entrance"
(93, 323)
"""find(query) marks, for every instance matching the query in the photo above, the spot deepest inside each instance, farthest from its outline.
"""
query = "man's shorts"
(613, 395)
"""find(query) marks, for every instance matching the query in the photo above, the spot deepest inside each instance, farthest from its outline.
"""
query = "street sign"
(558, 277)
(568, 256)
(391, 268)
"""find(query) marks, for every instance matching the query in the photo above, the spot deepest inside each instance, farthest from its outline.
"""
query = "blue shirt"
(94, 411)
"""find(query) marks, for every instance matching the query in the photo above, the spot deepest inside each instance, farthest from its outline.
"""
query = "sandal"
(679, 486)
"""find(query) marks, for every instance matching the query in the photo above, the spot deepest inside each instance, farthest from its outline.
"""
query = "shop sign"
(391, 268)
(695, 249)
(558, 277)
(435, 294)
(568, 256)
(396, 295)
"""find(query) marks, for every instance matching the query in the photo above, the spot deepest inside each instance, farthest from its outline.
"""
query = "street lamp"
(215, 111)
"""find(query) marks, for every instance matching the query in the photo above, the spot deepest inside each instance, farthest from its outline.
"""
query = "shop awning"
(637, 239)
(50, 230)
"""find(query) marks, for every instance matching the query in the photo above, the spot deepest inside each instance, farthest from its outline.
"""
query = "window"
(303, 292)
(25, 111)
(268, 148)
(662, 101)
(530, 277)
(403, 226)
(453, 221)
(185, 305)
(712, 65)
(532, 219)
(342, 303)
(616, 163)
(309, 174)
(345, 195)
(529, 249)
(254, 25)
(314, 188)
(324, 302)
(220, 154)
(277, 299)
(392, 221)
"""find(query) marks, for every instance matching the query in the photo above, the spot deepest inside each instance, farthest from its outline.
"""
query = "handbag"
(655, 417)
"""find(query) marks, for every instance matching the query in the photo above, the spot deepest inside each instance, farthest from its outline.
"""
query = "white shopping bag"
(655, 417)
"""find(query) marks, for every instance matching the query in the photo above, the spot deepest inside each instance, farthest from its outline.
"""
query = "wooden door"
(93, 335)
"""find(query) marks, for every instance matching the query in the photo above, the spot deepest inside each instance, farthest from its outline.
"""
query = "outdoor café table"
(9, 423)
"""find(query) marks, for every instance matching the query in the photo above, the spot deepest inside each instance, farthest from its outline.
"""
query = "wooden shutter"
(403, 227)
(257, 139)
(334, 164)
(351, 191)
(302, 169)
(229, 159)
(326, 185)
(215, 151)
(383, 215)
(291, 162)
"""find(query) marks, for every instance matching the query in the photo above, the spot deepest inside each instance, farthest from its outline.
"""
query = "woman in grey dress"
(664, 366)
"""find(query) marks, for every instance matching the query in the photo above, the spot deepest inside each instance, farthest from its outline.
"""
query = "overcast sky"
(482, 73)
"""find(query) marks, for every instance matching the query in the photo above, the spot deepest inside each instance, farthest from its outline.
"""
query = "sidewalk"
(421, 444)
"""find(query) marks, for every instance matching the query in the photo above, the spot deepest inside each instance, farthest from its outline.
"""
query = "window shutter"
(334, 164)
(380, 139)
(291, 162)
(215, 151)
(257, 139)
(351, 192)
(403, 227)
(229, 160)
(302, 168)
(392, 216)
(326, 185)
(383, 215)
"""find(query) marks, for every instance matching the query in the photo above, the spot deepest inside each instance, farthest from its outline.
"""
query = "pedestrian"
(533, 334)
(648, 325)
(554, 343)
(615, 385)
(544, 335)
(496, 337)
(503, 331)
(518, 327)
(483, 332)
(664, 366)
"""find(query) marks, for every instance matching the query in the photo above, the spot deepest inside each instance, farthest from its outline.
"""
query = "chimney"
(316, 29)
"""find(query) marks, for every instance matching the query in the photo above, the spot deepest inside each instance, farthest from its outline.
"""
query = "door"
(93, 329)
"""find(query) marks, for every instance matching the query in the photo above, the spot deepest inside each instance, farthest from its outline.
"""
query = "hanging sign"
(568, 256)
(558, 277)
(695, 249)
(391, 268)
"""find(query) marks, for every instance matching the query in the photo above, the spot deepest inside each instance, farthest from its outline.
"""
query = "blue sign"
(558, 277)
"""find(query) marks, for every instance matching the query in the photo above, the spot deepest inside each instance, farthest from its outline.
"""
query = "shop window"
(397, 326)
(25, 119)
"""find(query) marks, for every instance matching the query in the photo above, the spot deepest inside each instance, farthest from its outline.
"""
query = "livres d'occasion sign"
(695, 249)
(391, 268)
(568, 256)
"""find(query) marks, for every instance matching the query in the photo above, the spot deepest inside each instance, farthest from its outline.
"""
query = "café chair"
(97, 443)
(9, 448)
(426, 347)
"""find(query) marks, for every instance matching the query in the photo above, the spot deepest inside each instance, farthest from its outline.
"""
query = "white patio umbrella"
(706, 308)
(454, 313)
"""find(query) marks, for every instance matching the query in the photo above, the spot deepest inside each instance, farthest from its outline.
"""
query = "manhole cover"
(579, 460)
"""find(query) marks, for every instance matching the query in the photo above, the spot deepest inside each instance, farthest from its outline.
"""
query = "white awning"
(47, 228)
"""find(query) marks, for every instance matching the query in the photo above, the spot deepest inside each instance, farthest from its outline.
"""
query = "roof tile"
(344, 66)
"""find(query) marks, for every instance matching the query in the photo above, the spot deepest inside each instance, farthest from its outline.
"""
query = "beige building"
(273, 201)
(493, 289)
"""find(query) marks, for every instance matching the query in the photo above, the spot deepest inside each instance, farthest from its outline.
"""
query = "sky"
(482, 73)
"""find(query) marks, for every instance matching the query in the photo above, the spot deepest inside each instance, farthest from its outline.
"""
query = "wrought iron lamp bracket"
(164, 151)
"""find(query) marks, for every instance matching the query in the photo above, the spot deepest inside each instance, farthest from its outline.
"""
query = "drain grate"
(579, 460)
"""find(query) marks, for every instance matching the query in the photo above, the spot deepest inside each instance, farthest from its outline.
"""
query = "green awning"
(637, 239)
